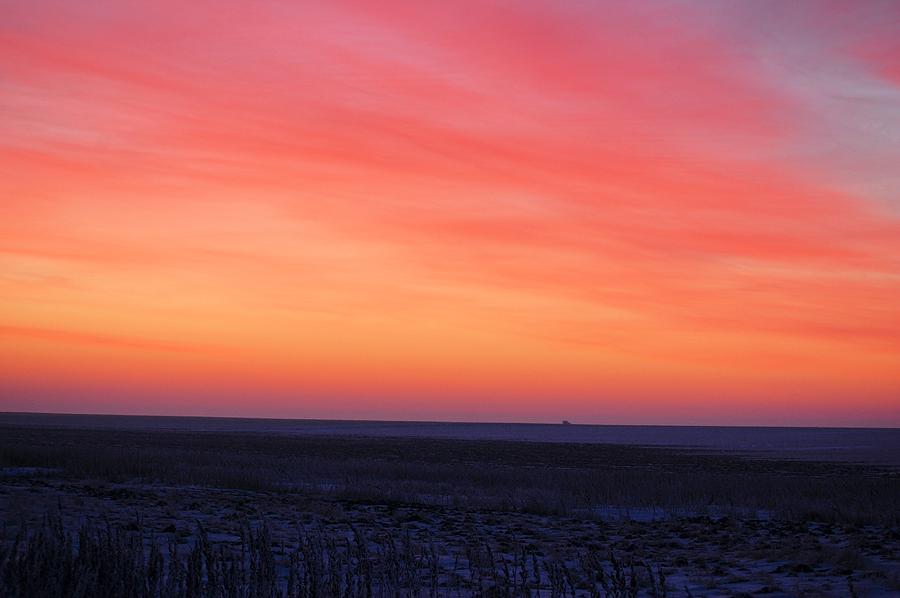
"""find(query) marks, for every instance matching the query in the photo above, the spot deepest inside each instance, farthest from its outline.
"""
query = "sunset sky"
(606, 212)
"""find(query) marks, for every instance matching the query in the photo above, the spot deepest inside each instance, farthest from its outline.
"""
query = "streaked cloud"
(591, 202)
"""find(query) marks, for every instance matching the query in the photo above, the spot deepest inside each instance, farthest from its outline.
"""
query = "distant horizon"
(559, 422)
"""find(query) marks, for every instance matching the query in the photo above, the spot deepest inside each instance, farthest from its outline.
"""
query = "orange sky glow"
(607, 212)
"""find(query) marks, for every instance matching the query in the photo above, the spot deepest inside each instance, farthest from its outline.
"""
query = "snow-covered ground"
(698, 555)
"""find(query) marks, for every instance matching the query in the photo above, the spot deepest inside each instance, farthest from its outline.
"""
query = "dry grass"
(112, 561)
(355, 500)
(541, 478)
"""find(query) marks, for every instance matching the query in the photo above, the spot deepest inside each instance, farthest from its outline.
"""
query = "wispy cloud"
(567, 189)
(102, 340)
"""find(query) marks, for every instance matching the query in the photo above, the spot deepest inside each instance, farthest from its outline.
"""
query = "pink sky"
(667, 212)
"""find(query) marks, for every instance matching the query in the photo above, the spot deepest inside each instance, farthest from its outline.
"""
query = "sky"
(606, 212)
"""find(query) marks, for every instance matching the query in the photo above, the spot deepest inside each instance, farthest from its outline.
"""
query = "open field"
(877, 446)
(231, 512)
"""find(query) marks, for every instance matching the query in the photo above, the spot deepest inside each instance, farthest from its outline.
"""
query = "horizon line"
(451, 422)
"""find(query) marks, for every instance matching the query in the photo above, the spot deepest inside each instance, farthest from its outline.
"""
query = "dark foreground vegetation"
(131, 562)
(159, 514)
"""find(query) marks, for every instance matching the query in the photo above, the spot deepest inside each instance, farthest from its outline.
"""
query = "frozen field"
(302, 509)
(416, 549)
(864, 445)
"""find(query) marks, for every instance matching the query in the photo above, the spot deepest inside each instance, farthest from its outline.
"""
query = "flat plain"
(205, 507)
